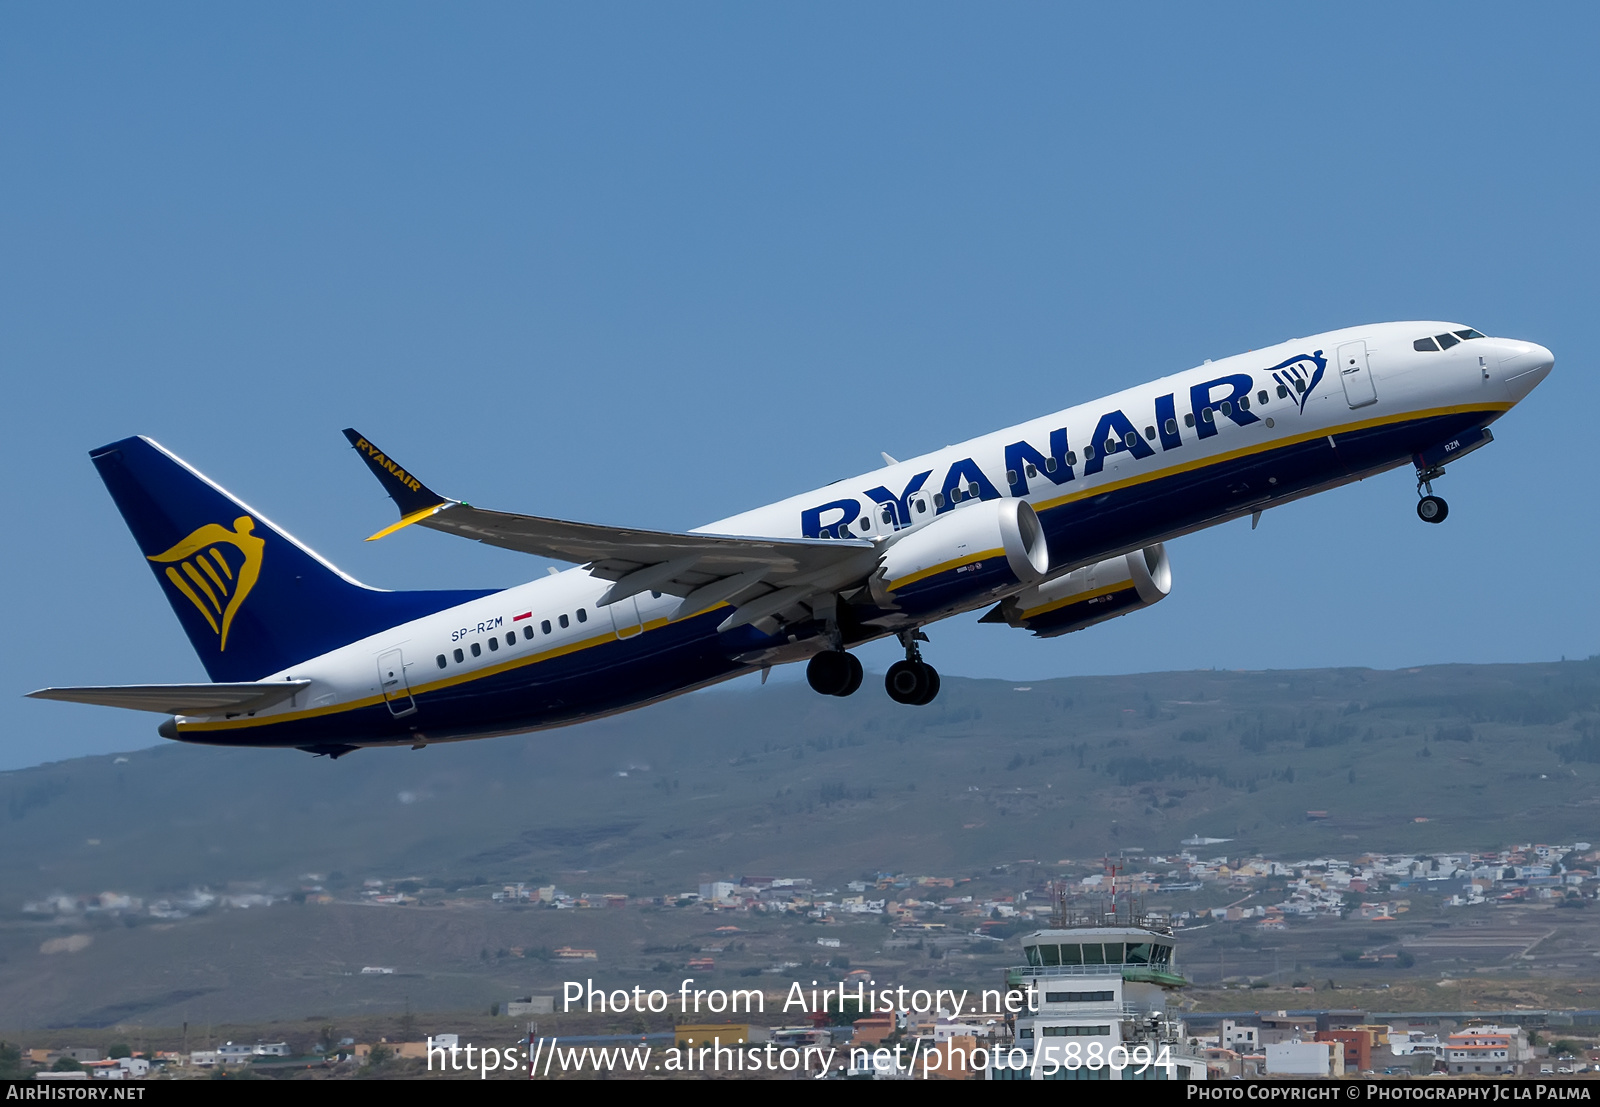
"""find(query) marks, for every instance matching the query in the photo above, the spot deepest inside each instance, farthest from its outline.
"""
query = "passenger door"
(392, 682)
(1355, 375)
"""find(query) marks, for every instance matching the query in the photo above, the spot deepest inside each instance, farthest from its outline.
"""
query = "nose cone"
(1524, 365)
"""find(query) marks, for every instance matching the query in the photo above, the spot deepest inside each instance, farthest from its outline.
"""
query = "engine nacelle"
(987, 547)
(1089, 595)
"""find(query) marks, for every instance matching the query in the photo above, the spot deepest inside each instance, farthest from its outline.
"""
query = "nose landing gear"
(1430, 508)
(912, 681)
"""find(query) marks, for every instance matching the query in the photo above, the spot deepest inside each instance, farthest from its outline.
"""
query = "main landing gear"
(912, 681)
(834, 673)
(1430, 508)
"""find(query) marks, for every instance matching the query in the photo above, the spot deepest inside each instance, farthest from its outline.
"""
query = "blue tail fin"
(252, 599)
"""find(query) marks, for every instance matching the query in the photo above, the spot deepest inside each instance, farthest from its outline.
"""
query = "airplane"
(1052, 526)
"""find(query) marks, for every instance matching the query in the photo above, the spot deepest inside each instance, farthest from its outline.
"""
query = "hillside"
(774, 781)
(778, 779)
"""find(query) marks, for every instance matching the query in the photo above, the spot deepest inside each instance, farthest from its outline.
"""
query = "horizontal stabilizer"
(180, 699)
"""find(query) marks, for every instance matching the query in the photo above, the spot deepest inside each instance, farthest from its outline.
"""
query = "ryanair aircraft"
(1052, 525)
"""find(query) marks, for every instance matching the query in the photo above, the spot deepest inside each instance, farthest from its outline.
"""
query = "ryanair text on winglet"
(381, 458)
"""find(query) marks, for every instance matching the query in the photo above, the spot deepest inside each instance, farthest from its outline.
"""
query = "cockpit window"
(1447, 340)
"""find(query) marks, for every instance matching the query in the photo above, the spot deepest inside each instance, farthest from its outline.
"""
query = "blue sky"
(656, 264)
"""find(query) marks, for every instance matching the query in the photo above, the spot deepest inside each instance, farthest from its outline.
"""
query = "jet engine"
(1089, 595)
(988, 546)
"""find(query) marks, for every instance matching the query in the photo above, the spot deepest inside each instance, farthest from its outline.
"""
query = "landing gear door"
(1355, 375)
(392, 681)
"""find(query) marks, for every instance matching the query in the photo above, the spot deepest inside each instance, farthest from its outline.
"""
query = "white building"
(1240, 1037)
(1297, 1058)
(1486, 1049)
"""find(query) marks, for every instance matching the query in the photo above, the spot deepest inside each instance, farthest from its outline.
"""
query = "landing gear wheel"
(834, 673)
(856, 675)
(911, 682)
(1432, 509)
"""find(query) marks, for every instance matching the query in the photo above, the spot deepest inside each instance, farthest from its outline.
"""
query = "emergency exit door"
(625, 616)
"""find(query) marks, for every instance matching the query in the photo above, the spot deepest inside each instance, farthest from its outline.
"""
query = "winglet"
(415, 500)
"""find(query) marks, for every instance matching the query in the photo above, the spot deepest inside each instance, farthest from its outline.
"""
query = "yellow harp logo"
(214, 583)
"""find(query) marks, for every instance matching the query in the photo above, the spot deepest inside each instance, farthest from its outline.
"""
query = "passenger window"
(1111, 445)
(477, 650)
(1448, 340)
(1226, 408)
(1244, 403)
(583, 616)
(511, 639)
(1050, 463)
(1424, 344)
(442, 661)
(1088, 453)
(1283, 393)
(1172, 426)
(1188, 419)
(527, 631)
(544, 625)
(921, 506)
(564, 621)
(1205, 413)
(1261, 397)
(460, 657)
(1299, 386)
(494, 644)
(888, 520)
(1072, 459)
(1011, 476)
(654, 595)
(1130, 438)
(864, 526)
(1150, 433)
(1031, 471)
(938, 500)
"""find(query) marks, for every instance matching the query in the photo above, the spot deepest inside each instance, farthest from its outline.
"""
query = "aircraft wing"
(753, 573)
(180, 699)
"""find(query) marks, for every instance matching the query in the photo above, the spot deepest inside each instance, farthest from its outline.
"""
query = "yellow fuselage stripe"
(1263, 447)
(419, 689)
